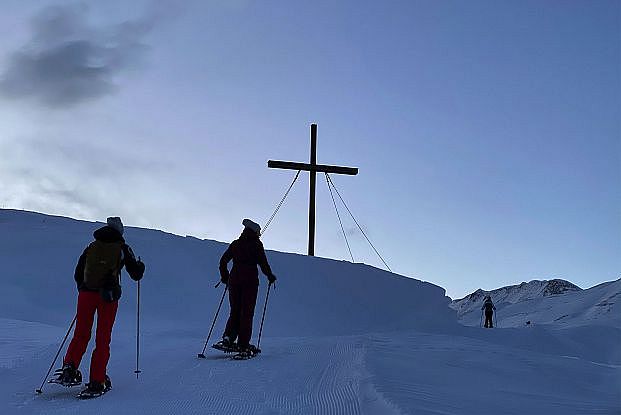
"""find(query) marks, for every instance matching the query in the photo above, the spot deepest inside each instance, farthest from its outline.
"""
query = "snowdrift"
(313, 296)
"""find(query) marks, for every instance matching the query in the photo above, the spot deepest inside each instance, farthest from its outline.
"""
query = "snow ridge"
(515, 293)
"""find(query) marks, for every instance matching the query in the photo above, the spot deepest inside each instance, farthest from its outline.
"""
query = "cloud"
(69, 61)
(76, 177)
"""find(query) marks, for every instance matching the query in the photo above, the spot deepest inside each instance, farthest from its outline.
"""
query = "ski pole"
(202, 355)
(137, 371)
(481, 321)
(40, 390)
(263, 317)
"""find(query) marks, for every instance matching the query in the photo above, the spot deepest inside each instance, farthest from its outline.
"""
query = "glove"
(136, 271)
(140, 267)
(224, 279)
(271, 278)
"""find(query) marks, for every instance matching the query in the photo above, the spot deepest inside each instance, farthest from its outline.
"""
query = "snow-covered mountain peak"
(556, 286)
(556, 301)
(516, 293)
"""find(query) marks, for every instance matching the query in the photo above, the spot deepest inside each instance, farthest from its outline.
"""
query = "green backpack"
(102, 269)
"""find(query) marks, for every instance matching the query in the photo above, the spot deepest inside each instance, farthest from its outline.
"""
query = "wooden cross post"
(313, 168)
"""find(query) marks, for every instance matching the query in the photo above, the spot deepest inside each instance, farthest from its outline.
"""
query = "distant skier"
(489, 307)
(243, 283)
(97, 276)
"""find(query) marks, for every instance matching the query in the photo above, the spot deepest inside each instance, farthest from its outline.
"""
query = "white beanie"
(252, 225)
(115, 223)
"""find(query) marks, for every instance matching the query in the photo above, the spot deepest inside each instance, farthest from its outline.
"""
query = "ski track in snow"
(292, 376)
(393, 374)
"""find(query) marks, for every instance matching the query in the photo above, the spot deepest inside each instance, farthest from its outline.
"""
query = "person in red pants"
(97, 276)
(243, 283)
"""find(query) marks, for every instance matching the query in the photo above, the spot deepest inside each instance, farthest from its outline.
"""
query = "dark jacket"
(134, 268)
(488, 305)
(246, 252)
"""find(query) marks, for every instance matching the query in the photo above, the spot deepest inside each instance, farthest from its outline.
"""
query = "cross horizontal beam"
(323, 168)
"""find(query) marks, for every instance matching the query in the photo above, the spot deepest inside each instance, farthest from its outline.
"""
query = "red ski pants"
(243, 298)
(88, 303)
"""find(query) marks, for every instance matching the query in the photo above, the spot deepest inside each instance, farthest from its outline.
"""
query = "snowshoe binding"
(247, 352)
(67, 376)
(226, 345)
(95, 389)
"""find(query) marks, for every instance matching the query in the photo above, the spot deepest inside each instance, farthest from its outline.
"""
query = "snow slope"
(339, 338)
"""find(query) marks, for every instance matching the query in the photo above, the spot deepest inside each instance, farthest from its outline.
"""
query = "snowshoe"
(247, 352)
(95, 389)
(67, 376)
(226, 345)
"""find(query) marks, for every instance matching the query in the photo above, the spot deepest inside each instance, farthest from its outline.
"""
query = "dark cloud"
(68, 61)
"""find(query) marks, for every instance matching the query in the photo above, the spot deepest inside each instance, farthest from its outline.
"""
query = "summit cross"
(313, 168)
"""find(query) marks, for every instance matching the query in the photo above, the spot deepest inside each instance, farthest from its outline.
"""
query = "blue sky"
(487, 133)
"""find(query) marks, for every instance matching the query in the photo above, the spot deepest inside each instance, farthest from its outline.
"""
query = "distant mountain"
(546, 302)
(515, 293)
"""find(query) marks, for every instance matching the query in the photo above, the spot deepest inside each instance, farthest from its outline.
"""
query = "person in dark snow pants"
(489, 307)
(246, 252)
